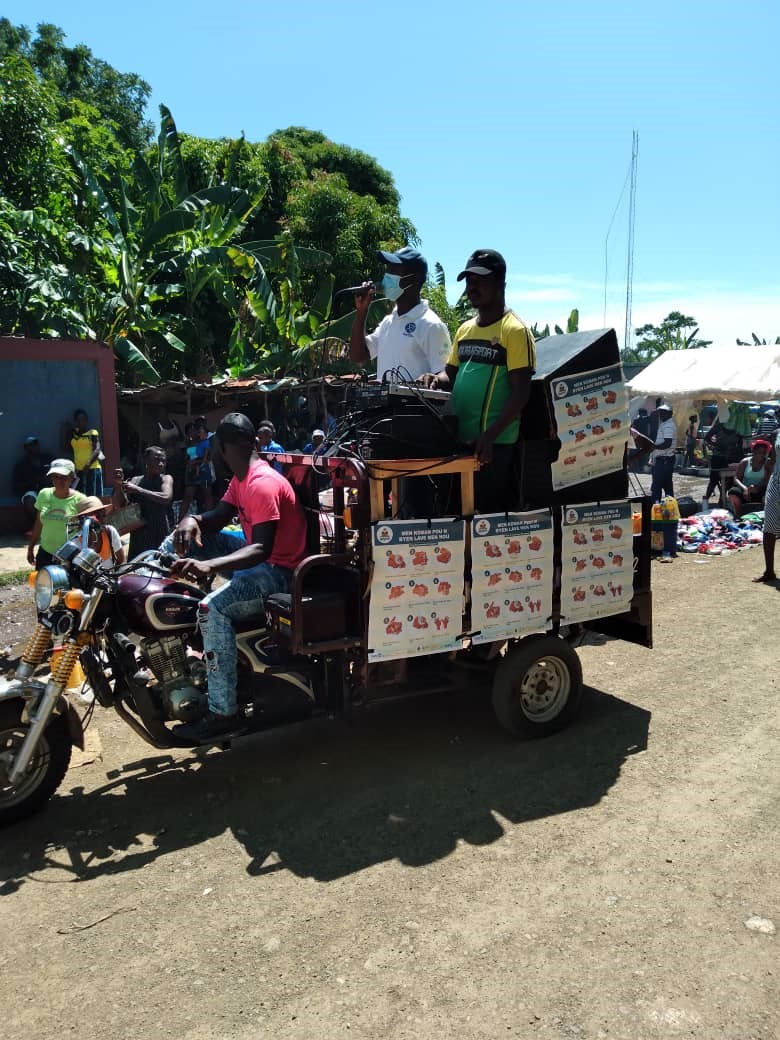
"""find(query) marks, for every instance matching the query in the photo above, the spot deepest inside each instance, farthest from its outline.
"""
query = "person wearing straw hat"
(54, 506)
(103, 538)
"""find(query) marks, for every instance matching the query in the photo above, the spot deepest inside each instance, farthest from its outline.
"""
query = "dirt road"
(418, 874)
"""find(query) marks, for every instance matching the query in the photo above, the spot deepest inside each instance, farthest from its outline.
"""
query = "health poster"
(591, 413)
(597, 560)
(511, 574)
(416, 588)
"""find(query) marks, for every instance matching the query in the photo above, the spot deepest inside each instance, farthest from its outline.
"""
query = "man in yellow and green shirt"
(489, 370)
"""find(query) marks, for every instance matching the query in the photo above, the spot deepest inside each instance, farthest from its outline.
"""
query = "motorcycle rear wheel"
(47, 768)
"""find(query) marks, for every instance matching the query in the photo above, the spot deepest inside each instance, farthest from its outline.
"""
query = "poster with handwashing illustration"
(591, 416)
(416, 588)
(597, 560)
(511, 574)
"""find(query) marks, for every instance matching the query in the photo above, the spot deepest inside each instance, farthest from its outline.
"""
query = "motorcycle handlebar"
(163, 567)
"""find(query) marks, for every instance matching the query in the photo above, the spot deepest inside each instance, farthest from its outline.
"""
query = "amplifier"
(408, 435)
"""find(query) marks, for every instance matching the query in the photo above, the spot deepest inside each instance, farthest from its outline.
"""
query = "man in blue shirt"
(266, 440)
(314, 447)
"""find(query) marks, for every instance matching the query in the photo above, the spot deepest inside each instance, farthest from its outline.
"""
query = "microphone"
(355, 289)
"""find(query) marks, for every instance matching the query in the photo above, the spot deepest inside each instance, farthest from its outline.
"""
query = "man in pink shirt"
(259, 563)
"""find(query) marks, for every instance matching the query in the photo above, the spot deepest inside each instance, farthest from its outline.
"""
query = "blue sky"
(508, 125)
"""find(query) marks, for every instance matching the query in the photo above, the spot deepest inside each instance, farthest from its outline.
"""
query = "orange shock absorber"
(68, 657)
(37, 646)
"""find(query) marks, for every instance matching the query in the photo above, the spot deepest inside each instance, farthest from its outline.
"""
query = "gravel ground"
(418, 873)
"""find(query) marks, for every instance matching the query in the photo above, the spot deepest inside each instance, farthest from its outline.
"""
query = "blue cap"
(30, 440)
(407, 255)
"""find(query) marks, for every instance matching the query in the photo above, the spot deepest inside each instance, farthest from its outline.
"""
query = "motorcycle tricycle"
(343, 638)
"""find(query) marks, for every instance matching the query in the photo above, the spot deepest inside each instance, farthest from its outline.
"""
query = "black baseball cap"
(484, 261)
(407, 255)
(233, 427)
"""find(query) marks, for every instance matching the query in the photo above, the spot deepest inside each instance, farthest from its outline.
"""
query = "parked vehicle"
(134, 633)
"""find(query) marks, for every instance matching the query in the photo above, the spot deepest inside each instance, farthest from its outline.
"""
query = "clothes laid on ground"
(717, 532)
(55, 513)
(484, 355)
(415, 342)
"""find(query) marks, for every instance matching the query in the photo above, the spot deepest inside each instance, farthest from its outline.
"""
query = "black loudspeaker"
(558, 356)
(410, 434)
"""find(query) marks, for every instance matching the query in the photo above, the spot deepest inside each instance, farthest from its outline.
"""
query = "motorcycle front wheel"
(47, 768)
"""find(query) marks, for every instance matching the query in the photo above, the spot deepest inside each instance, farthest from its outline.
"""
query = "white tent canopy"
(712, 374)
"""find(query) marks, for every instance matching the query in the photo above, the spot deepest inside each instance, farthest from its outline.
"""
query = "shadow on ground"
(406, 782)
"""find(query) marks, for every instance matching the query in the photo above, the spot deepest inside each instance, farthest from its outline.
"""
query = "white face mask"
(391, 286)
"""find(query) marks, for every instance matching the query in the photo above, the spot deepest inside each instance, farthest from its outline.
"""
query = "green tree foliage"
(322, 211)
(188, 255)
(435, 291)
(676, 332)
(756, 341)
(28, 130)
(362, 174)
(572, 325)
(75, 74)
(330, 197)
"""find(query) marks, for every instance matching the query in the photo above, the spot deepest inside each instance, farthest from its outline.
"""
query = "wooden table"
(394, 470)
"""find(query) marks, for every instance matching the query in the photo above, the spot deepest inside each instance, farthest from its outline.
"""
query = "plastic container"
(666, 509)
(663, 536)
(636, 523)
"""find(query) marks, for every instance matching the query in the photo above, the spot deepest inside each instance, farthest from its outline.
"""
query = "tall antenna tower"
(630, 257)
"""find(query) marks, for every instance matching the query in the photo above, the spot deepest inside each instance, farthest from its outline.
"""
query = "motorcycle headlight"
(49, 583)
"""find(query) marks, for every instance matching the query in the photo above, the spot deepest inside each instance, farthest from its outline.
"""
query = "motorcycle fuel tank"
(153, 604)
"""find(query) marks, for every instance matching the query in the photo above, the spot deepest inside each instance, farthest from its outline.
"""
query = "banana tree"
(165, 255)
(286, 327)
(572, 325)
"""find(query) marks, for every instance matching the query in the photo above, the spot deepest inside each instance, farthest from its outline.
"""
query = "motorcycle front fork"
(37, 645)
(41, 713)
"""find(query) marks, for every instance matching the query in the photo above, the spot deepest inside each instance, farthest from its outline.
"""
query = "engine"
(181, 679)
